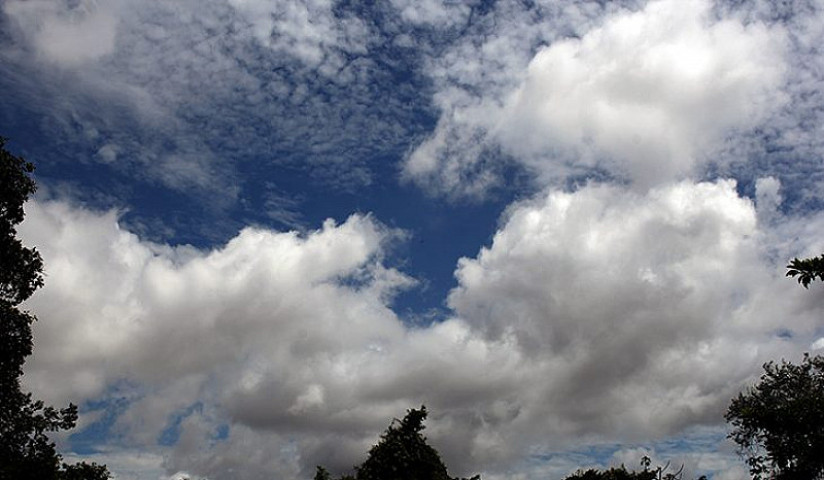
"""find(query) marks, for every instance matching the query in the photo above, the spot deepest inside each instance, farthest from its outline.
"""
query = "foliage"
(621, 473)
(806, 270)
(83, 471)
(25, 449)
(401, 454)
(322, 474)
(778, 424)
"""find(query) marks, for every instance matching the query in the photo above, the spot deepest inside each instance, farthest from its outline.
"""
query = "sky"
(271, 227)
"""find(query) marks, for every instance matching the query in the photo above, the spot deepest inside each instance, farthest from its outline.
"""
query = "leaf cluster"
(621, 473)
(20, 267)
(615, 473)
(778, 424)
(806, 270)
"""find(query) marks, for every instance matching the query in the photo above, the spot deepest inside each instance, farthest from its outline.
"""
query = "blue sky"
(271, 227)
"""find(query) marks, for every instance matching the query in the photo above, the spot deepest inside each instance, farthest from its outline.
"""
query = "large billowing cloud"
(643, 308)
(596, 316)
(650, 91)
(161, 313)
(286, 338)
(645, 96)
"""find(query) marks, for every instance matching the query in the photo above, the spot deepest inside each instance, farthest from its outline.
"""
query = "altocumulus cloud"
(181, 94)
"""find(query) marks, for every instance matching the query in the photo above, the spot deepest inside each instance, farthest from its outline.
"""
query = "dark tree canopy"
(25, 449)
(806, 270)
(20, 267)
(778, 424)
(84, 471)
(401, 454)
(621, 473)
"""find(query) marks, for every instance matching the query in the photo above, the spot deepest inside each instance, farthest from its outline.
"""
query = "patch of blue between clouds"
(784, 333)
(171, 434)
(112, 405)
(695, 441)
(117, 399)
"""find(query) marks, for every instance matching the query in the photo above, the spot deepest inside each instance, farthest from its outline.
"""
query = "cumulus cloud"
(472, 77)
(650, 91)
(131, 311)
(290, 335)
(641, 310)
(601, 315)
(646, 96)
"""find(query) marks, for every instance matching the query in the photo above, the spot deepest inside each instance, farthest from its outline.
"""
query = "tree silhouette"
(806, 270)
(401, 454)
(615, 473)
(778, 424)
(621, 473)
(25, 449)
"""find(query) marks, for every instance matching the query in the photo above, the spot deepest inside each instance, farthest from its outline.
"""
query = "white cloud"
(641, 313)
(650, 91)
(290, 335)
(596, 316)
(435, 13)
(131, 312)
(645, 96)
(310, 31)
(67, 34)
(768, 198)
(473, 77)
